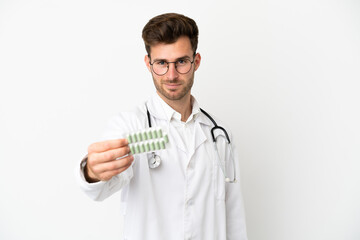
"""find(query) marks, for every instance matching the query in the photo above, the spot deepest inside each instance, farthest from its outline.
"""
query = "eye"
(160, 63)
(182, 61)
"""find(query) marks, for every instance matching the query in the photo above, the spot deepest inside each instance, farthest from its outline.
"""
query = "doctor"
(186, 197)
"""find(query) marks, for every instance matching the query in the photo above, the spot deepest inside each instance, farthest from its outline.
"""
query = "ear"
(197, 61)
(147, 62)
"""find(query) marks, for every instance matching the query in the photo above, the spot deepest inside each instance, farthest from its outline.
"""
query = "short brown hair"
(167, 28)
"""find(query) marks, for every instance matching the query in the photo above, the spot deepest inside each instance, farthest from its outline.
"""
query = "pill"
(158, 145)
(137, 148)
(166, 138)
(162, 144)
(147, 146)
(129, 138)
(144, 136)
(142, 147)
(149, 134)
(155, 134)
(160, 133)
(139, 136)
(132, 149)
(152, 146)
(134, 137)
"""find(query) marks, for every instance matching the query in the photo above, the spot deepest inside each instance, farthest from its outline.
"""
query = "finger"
(113, 165)
(110, 155)
(107, 145)
(109, 174)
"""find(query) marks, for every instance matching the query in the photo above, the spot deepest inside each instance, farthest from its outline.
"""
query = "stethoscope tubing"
(155, 160)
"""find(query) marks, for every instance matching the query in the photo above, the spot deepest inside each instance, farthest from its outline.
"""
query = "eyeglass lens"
(161, 67)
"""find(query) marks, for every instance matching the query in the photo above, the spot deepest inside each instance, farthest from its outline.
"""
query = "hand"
(102, 163)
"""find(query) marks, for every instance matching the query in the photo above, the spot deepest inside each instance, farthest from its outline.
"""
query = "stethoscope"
(154, 161)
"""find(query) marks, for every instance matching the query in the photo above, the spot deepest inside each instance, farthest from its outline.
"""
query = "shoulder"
(124, 122)
(219, 122)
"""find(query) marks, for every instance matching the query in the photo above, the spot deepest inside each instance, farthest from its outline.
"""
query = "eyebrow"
(165, 60)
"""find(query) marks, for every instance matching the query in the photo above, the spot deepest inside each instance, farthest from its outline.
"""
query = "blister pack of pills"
(148, 140)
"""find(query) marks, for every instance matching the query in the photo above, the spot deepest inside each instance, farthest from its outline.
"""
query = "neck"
(182, 106)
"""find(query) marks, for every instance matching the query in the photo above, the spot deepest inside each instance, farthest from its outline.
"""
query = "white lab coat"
(171, 202)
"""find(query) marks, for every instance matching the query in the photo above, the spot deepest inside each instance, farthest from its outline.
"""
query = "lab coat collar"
(161, 110)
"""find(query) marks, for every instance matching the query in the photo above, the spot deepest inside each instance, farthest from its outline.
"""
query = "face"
(174, 86)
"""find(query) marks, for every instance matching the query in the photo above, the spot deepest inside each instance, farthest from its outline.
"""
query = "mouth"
(172, 86)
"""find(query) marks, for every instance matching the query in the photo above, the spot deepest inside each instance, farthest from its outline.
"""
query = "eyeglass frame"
(152, 69)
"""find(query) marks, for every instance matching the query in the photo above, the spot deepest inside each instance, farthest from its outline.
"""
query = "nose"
(172, 72)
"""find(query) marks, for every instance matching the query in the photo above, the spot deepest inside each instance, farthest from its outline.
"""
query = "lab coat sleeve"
(101, 190)
(235, 214)
(117, 128)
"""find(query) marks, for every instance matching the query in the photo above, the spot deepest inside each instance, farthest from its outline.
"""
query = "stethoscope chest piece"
(154, 161)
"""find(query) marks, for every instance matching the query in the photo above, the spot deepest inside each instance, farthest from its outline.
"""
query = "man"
(191, 194)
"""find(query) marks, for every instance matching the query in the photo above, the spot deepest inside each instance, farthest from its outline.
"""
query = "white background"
(284, 75)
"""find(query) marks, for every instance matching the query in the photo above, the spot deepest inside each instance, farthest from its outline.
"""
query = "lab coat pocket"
(219, 181)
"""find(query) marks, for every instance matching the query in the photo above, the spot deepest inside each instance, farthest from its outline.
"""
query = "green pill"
(134, 137)
(129, 138)
(144, 136)
(139, 137)
(166, 138)
(149, 134)
(147, 147)
(160, 133)
(162, 143)
(132, 149)
(137, 148)
(142, 147)
(155, 134)
(152, 146)
(158, 145)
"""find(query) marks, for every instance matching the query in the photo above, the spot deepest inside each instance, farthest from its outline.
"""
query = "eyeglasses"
(161, 67)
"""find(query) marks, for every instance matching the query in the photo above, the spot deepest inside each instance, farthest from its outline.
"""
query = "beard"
(177, 94)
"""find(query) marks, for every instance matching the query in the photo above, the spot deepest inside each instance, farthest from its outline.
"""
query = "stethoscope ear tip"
(227, 179)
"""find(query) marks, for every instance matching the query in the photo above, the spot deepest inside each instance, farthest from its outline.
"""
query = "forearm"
(101, 190)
